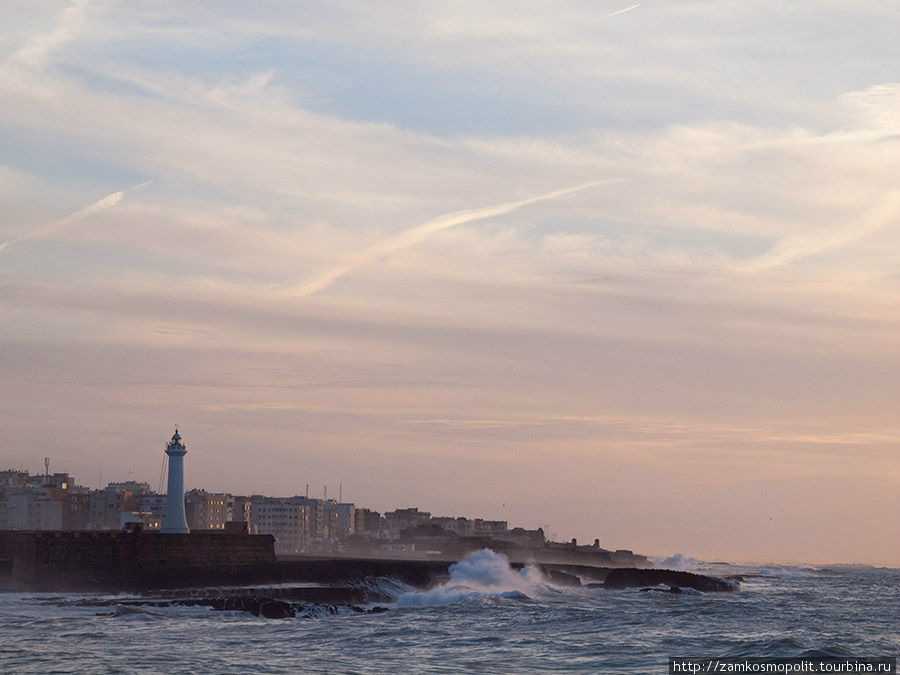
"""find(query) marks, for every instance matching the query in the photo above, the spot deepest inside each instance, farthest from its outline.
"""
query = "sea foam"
(479, 575)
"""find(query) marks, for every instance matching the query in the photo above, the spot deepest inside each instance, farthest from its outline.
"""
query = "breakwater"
(114, 561)
(69, 560)
(144, 561)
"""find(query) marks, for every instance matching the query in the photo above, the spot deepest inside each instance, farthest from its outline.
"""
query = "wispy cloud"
(804, 245)
(39, 48)
(418, 234)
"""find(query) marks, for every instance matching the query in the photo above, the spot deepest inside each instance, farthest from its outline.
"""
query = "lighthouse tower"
(175, 521)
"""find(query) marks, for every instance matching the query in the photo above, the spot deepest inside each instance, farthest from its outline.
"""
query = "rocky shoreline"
(315, 601)
(319, 588)
(256, 605)
(629, 578)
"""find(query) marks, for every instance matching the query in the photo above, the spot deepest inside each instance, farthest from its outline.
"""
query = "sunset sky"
(623, 271)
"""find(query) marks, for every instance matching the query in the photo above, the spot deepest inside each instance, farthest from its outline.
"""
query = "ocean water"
(487, 618)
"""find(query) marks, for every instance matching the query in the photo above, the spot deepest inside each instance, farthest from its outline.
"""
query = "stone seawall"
(121, 561)
(73, 560)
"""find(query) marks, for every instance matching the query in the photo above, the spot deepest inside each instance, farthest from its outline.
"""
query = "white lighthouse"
(175, 521)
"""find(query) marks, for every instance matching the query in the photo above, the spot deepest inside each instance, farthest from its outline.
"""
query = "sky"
(625, 271)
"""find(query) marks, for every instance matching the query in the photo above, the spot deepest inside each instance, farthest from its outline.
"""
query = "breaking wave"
(387, 588)
(483, 574)
(678, 561)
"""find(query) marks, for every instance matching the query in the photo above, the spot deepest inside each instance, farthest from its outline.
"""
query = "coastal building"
(34, 508)
(460, 526)
(367, 523)
(123, 504)
(106, 505)
(151, 511)
(524, 538)
(344, 520)
(240, 508)
(175, 521)
(207, 510)
(77, 512)
(320, 520)
(13, 479)
(42, 502)
(488, 528)
(285, 518)
(134, 487)
(403, 519)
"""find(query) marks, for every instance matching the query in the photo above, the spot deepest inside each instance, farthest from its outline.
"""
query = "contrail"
(612, 14)
(106, 203)
(422, 232)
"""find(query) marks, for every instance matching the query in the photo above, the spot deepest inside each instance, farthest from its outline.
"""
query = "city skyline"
(300, 525)
(627, 270)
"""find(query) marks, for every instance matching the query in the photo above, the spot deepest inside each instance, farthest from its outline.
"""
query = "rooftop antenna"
(307, 490)
(326, 493)
(340, 493)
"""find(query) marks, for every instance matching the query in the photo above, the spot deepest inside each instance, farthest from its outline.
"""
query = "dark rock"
(275, 609)
(628, 577)
(259, 605)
